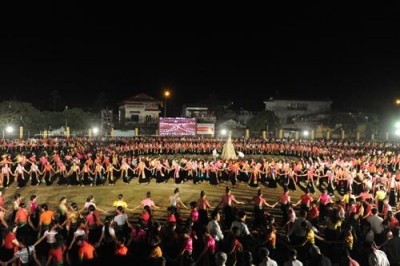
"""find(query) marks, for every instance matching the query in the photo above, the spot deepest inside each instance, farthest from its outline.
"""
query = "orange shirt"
(22, 216)
(86, 251)
(156, 252)
(46, 217)
(121, 250)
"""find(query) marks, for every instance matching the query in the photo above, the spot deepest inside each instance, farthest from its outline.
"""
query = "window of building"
(297, 106)
(135, 118)
(148, 118)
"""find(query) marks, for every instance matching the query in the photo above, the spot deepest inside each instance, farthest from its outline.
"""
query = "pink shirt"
(147, 202)
(189, 245)
(324, 199)
(33, 207)
(227, 199)
(386, 208)
(194, 215)
(211, 245)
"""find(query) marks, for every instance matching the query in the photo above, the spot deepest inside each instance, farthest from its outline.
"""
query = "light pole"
(66, 116)
(166, 95)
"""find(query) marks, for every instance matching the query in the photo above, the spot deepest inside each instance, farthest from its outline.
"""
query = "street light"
(66, 116)
(166, 95)
(397, 102)
(9, 130)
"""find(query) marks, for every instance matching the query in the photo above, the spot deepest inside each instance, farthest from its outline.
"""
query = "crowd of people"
(321, 231)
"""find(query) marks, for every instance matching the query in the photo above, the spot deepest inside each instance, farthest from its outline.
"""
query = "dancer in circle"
(259, 211)
(228, 208)
(203, 206)
(175, 202)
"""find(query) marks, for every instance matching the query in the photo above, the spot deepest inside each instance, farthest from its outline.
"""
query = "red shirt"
(145, 217)
(306, 199)
(172, 218)
(92, 219)
(8, 239)
(57, 254)
(313, 213)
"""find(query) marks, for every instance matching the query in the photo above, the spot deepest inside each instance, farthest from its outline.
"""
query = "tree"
(264, 120)
(100, 102)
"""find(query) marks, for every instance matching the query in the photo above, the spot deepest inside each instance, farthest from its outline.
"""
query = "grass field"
(134, 193)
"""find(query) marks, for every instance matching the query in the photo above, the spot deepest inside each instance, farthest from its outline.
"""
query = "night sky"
(352, 58)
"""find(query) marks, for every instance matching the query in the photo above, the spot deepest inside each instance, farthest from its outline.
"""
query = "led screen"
(177, 126)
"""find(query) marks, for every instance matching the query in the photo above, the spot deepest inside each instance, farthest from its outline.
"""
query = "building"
(107, 122)
(287, 109)
(201, 112)
(232, 125)
(141, 108)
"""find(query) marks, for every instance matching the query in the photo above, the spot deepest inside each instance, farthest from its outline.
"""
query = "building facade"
(141, 108)
(201, 112)
(287, 109)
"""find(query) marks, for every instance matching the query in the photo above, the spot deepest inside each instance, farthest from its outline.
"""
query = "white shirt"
(269, 262)
(23, 254)
(88, 203)
(378, 257)
(79, 232)
(243, 229)
(120, 219)
(51, 236)
(376, 224)
(293, 263)
(215, 230)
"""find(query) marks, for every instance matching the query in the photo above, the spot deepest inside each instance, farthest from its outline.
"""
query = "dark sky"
(349, 56)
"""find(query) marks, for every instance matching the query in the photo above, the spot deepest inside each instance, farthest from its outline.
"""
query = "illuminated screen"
(177, 126)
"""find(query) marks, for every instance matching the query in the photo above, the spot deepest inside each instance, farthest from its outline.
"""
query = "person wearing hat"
(265, 260)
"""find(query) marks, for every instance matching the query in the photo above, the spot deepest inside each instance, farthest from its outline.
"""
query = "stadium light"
(306, 133)
(8, 130)
(397, 124)
(397, 132)
(95, 131)
(224, 132)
